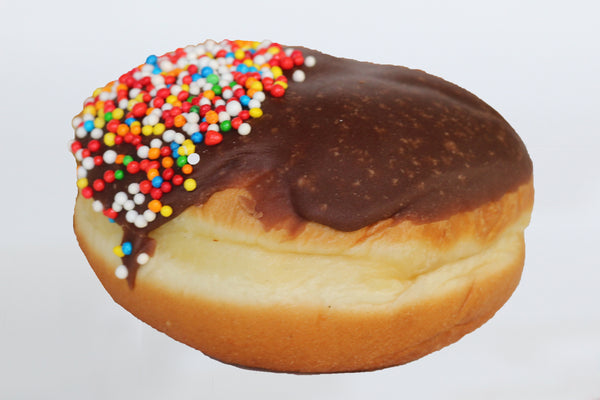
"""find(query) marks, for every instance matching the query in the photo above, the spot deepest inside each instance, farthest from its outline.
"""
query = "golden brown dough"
(319, 300)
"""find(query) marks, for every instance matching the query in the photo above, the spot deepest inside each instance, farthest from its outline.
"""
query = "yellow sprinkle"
(159, 128)
(248, 63)
(118, 251)
(274, 50)
(97, 92)
(118, 113)
(166, 211)
(281, 83)
(109, 139)
(185, 87)
(90, 110)
(171, 99)
(147, 130)
(189, 184)
(277, 71)
(239, 54)
(256, 86)
(130, 104)
(83, 182)
(99, 122)
(181, 151)
(139, 98)
(256, 112)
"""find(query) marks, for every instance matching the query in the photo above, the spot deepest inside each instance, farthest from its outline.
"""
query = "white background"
(538, 63)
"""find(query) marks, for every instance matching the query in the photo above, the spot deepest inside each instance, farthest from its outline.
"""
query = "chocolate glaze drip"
(356, 143)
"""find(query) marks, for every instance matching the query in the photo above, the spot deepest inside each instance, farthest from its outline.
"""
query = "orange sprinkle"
(136, 129)
(152, 173)
(154, 153)
(187, 169)
(180, 121)
(167, 162)
(212, 117)
(120, 158)
(155, 206)
(122, 129)
(209, 94)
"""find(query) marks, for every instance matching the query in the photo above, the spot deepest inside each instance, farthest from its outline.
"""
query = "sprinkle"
(189, 185)
(141, 136)
(121, 272)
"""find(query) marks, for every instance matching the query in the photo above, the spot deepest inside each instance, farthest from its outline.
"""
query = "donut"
(281, 209)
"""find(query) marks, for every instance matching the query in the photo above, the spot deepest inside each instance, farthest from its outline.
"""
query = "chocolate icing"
(356, 143)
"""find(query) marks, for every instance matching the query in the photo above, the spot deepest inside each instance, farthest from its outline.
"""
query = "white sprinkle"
(140, 221)
(80, 132)
(193, 158)
(78, 155)
(134, 92)
(117, 207)
(139, 198)
(133, 188)
(289, 51)
(142, 258)
(204, 101)
(155, 143)
(88, 163)
(194, 89)
(168, 135)
(260, 96)
(76, 121)
(81, 173)
(310, 61)
(129, 205)
(227, 94)
(96, 133)
(224, 116)
(219, 103)
(151, 119)
(298, 76)
(175, 90)
(149, 215)
(121, 197)
(192, 117)
(179, 137)
(131, 216)
(142, 151)
(233, 108)
(121, 272)
(244, 129)
(158, 80)
(104, 96)
(259, 60)
(166, 65)
(123, 104)
(109, 156)
(97, 206)
(214, 127)
(253, 104)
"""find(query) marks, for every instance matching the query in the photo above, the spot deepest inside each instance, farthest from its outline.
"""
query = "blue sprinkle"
(245, 100)
(197, 137)
(157, 181)
(152, 59)
(111, 220)
(156, 71)
(206, 71)
(253, 69)
(243, 68)
(195, 77)
(230, 54)
(174, 147)
(127, 248)
(88, 125)
(129, 121)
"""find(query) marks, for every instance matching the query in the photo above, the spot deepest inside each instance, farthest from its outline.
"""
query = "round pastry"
(282, 209)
